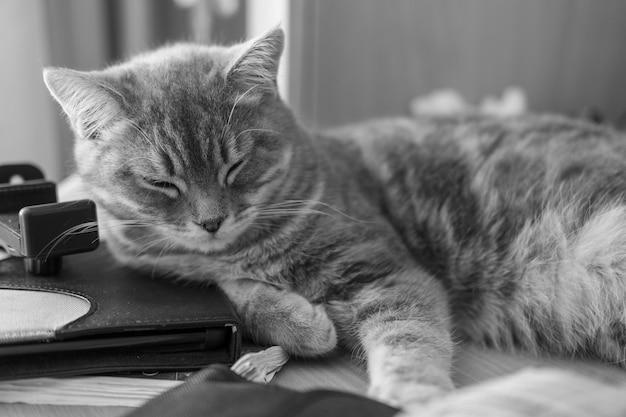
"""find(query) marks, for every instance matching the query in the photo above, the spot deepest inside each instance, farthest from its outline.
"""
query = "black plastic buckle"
(33, 225)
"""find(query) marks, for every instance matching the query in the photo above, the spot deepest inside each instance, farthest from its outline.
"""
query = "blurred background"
(346, 60)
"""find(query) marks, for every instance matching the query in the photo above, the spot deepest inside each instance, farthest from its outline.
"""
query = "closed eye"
(233, 171)
(168, 188)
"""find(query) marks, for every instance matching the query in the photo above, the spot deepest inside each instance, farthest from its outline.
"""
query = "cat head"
(186, 140)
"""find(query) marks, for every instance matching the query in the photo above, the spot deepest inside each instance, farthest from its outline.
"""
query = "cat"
(395, 237)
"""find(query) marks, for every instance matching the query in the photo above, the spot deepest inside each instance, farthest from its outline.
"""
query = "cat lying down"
(394, 238)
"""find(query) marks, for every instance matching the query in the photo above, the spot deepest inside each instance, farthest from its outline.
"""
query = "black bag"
(218, 392)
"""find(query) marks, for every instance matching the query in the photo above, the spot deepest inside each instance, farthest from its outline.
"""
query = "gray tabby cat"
(394, 237)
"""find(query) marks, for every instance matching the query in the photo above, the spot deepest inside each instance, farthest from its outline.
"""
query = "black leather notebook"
(97, 317)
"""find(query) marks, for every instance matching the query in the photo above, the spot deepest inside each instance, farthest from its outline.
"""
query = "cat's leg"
(534, 392)
(273, 316)
(609, 342)
(403, 327)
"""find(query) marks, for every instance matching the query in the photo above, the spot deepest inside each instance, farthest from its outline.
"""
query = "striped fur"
(392, 237)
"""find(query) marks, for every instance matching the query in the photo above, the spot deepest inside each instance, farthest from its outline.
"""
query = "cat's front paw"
(273, 316)
(310, 332)
(407, 395)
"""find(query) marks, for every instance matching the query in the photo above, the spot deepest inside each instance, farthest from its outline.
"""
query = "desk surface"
(113, 397)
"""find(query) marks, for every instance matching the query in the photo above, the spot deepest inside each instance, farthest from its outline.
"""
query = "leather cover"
(133, 322)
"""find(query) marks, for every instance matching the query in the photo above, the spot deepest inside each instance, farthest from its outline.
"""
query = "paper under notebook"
(127, 392)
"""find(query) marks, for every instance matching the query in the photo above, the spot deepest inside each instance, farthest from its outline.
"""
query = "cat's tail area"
(572, 293)
(533, 392)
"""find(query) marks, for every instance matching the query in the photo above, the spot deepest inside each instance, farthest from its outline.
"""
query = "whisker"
(127, 224)
(255, 130)
(151, 245)
(239, 98)
(277, 212)
(136, 159)
(165, 248)
(263, 226)
(110, 223)
(145, 237)
(316, 202)
(138, 129)
(232, 110)
(86, 227)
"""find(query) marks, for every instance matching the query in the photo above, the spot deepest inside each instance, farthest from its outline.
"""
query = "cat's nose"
(212, 225)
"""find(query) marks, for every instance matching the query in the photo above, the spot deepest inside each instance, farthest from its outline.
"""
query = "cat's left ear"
(254, 67)
(89, 102)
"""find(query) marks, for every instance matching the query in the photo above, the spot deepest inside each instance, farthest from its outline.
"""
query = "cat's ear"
(254, 67)
(89, 102)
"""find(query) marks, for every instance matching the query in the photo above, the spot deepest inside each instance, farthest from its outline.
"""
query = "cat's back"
(511, 215)
(476, 169)
(476, 138)
(521, 161)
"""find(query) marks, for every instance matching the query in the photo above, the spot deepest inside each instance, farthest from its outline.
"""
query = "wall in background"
(354, 59)
(263, 15)
(27, 120)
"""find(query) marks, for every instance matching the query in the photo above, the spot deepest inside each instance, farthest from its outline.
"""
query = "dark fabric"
(136, 322)
(218, 392)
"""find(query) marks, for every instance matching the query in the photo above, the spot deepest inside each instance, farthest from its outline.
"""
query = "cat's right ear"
(90, 104)
(254, 66)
